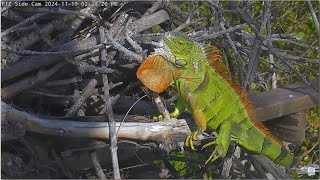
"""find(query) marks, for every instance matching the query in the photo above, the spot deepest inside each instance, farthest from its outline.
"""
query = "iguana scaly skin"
(216, 101)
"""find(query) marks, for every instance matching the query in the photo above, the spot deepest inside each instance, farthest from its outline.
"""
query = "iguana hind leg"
(222, 142)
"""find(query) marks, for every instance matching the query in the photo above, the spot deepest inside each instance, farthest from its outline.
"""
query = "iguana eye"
(180, 62)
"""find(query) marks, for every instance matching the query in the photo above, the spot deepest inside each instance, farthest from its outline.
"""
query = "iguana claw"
(157, 118)
(212, 142)
(160, 116)
(218, 151)
(189, 140)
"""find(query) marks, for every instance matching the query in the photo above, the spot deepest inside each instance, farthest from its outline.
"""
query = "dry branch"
(96, 164)
(156, 131)
(32, 63)
(29, 82)
(86, 93)
(110, 114)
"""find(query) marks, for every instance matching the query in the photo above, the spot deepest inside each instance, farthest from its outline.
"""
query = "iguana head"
(178, 48)
(167, 63)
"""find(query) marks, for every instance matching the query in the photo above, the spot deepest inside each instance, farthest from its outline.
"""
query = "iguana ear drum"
(155, 73)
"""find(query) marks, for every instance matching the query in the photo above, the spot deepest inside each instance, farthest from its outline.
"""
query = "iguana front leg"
(199, 119)
(222, 142)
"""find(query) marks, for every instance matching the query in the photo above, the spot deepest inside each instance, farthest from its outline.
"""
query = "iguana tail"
(260, 140)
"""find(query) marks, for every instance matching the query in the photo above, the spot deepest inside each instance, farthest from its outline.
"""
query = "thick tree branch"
(156, 131)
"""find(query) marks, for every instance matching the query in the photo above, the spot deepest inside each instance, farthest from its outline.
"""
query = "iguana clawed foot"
(189, 140)
(218, 151)
(160, 117)
(157, 118)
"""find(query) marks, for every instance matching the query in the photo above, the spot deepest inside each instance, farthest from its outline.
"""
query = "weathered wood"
(29, 82)
(290, 128)
(150, 21)
(285, 101)
(157, 131)
(266, 107)
(28, 64)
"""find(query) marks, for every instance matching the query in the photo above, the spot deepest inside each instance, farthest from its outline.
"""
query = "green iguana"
(207, 90)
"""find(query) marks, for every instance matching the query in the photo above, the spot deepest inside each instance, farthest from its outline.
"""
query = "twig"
(58, 160)
(254, 58)
(257, 167)
(96, 164)
(147, 37)
(71, 97)
(55, 10)
(271, 58)
(33, 37)
(118, 24)
(270, 167)
(90, 147)
(230, 62)
(217, 34)
(64, 81)
(135, 45)
(90, 53)
(308, 151)
(121, 48)
(292, 42)
(227, 163)
(153, 8)
(184, 25)
(22, 23)
(28, 64)
(148, 21)
(131, 167)
(86, 93)
(314, 16)
(28, 52)
(128, 112)
(29, 82)
(236, 53)
(112, 128)
(84, 67)
(243, 169)
(113, 85)
(74, 25)
(175, 11)
(252, 24)
(299, 59)
(163, 110)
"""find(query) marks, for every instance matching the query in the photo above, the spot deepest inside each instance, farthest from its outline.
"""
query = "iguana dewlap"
(216, 101)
